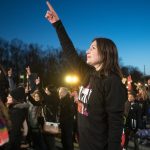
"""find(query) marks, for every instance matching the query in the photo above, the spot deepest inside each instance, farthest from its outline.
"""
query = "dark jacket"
(134, 116)
(31, 82)
(35, 119)
(67, 109)
(12, 82)
(101, 102)
(18, 113)
(50, 106)
(4, 85)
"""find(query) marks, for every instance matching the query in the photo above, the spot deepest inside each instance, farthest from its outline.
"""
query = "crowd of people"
(96, 113)
(25, 106)
(137, 115)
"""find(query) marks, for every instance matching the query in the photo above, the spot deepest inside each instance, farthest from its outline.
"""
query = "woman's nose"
(88, 50)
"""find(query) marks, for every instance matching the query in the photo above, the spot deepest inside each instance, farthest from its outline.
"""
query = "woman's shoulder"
(112, 79)
(113, 82)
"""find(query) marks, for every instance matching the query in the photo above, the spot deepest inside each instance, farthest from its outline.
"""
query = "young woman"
(102, 94)
(35, 120)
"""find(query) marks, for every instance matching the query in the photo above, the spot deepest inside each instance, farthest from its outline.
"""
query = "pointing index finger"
(49, 6)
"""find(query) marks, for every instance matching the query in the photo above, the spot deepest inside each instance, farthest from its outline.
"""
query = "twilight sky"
(126, 22)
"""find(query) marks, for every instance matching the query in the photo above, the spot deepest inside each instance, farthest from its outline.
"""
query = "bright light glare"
(74, 79)
(68, 79)
(71, 79)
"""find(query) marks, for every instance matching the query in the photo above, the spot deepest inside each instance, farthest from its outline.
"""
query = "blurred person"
(74, 95)
(35, 120)
(148, 89)
(18, 112)
(11, 79)
(50, 110)
(102, 94)
(5, 125)
(31, 79)
(133, 114)
(4, 85)
(143, 102)
(66, 118)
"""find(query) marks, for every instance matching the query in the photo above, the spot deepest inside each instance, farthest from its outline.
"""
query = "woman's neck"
(98, 67)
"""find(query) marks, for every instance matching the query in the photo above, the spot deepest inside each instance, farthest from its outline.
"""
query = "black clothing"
(67, 121)
(67, 109)
(143, 104)
(101, 102)
(51, 103)
(134, 117)
(67, 135)
(148, 112)
(31, 82)
(129, 133)
(50, 110)
(133, 114)
(12, 83)
(18, 113)
(34, 113)
(35, 121)
(4, 85)
(18, 94)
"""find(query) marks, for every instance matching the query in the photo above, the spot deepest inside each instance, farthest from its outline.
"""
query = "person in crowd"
(148, 88)
(31, 79)
(35, 120)
(143, 102)
(4, 85)
(133, 115)
(148, 104)
(102, 94)
(5, 125)
(18, 112)
(74, 95)
(11, 79)
(24, 140)
(50, 110)
(66, 118)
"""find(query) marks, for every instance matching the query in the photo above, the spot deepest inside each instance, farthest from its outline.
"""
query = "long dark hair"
(109, 57)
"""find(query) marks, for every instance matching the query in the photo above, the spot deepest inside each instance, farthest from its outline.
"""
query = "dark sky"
(126, 22)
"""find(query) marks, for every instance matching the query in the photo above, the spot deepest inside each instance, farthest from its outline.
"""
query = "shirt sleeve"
(69, 51)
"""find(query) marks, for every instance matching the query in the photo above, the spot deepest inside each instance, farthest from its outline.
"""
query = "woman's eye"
(93, 47)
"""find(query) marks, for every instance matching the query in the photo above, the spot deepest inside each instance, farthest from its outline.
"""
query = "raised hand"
(51, 15)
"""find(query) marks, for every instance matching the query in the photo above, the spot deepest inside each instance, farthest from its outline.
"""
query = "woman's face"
(36, 97)
(62, 93)
(9, 99)
(93, 56)
(130, 98)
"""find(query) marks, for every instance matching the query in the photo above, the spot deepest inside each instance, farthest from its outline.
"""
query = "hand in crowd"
(28, 71)
(75, 96)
